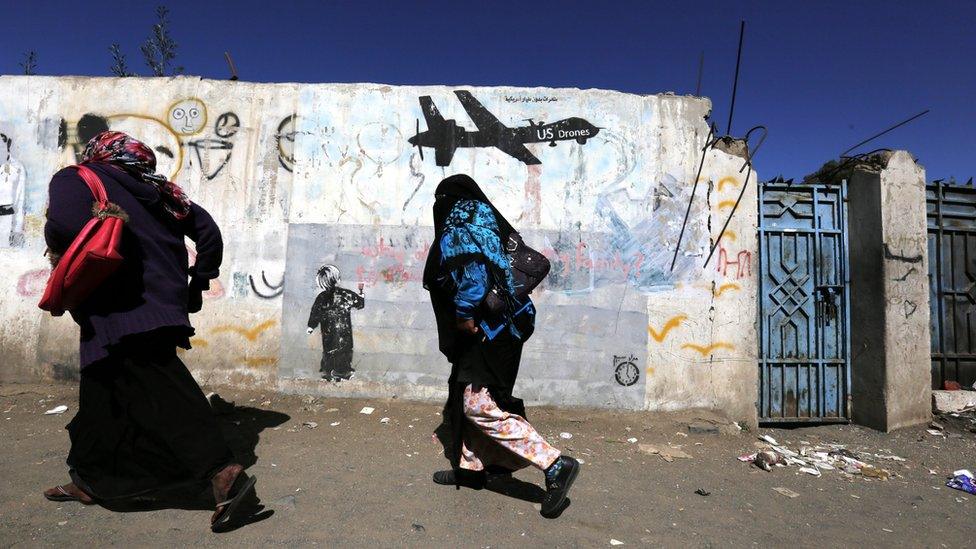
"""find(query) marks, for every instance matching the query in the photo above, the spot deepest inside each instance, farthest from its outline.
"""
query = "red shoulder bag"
(92, 256)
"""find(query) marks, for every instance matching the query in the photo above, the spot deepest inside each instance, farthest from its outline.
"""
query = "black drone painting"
(445, 136)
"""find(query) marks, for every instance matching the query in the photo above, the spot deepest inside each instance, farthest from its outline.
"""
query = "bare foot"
(59, 493)
(222, 483)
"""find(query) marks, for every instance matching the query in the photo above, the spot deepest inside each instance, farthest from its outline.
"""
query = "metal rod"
(694, 187)
(701, 66)
(735, 83)
(749, 157)
(873, 137)
(230, 62)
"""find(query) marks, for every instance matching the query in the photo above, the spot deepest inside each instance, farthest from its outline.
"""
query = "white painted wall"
(301, 175)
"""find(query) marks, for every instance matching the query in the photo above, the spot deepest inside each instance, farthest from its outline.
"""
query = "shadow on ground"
(241, 427)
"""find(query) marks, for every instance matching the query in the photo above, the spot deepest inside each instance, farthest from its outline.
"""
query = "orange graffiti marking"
(727, 286)
(727, 180)
(705, 351)
(249, 334)
(730, 235)
(650, 370)
(258, 361)
(726, 204)
(672, 323)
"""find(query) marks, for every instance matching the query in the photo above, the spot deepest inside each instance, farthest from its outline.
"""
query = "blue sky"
(821, 75)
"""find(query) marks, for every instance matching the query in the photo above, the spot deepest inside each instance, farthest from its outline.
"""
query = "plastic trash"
(385, 420)
(786, 492)
(766, 459)
(57, 410)
(310, 424)
(963, 482)
(366, 410)
(566, 436)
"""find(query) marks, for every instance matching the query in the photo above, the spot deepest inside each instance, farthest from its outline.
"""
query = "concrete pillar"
(890, 341)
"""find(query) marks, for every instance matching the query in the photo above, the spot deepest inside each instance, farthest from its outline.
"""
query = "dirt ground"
(353, 480)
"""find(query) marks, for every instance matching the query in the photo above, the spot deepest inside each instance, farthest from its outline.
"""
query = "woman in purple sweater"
(143, 425)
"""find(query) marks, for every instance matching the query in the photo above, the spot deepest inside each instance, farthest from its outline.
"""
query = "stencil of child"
(331, 314)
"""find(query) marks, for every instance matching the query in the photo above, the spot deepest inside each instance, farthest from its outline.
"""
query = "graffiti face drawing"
(188, 116)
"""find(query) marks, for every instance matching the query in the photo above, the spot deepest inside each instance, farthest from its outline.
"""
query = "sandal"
(64, 495)
(226, 518)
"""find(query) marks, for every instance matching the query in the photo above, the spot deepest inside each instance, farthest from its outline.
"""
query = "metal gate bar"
(951, 213)
(804, 354)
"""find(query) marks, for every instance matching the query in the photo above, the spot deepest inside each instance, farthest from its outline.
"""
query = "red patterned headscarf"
(138, 160)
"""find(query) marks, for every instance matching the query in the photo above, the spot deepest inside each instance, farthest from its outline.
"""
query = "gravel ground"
(365, 483)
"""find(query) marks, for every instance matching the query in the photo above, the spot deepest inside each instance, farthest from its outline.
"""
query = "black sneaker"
(461, 477)
(558, 488)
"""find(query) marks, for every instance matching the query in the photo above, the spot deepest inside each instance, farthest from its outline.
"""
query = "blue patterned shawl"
(471, 232)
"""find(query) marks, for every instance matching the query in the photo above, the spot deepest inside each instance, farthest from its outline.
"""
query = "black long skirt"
(143, 427)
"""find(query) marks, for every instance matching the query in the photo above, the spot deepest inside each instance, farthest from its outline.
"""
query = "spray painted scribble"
(12, 196)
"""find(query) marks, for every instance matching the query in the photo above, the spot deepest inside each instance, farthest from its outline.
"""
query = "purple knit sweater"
(151, 289)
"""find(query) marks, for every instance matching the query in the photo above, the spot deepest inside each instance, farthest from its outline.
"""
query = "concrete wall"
(300, 176)
(890, 341)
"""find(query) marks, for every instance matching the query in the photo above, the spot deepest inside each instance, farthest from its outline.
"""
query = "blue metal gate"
(952, 281)
(804, 344)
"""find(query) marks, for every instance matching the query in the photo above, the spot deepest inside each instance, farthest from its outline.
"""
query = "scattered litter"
(385, 420)
(703, 492)
(310, 424)
(334, 423)
(632, 440)
(855, 497)
(330, 410)
(887, 530)
(366, 410)
(667, 453)
(786, 492)
(933, 472)
(615, 542)
(813, 460)
(770, 440)
(937, 426)
(266, 403)
(963, 481)
(417, 527)
(966, 472)
(934, 432)
(57, 410)
(766, 459)
(62, 522)
(870, 471)
(566, 436)
(680, 434)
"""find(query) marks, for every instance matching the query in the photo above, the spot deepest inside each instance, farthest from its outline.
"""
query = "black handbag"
(529, 269)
